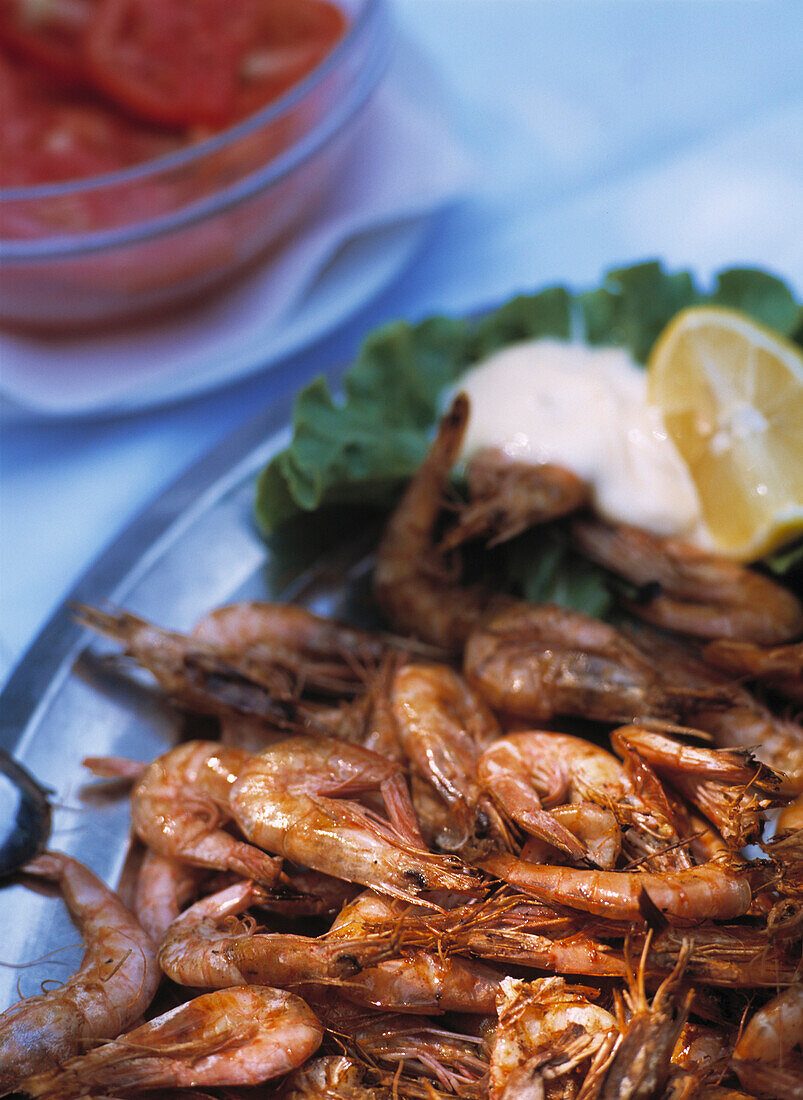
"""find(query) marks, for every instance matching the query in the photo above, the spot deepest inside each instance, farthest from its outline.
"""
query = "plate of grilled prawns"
(356, 811)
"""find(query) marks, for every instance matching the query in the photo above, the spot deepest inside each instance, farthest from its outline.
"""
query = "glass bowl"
(140, 241)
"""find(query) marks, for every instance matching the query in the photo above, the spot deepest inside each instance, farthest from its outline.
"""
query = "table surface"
(604, 133)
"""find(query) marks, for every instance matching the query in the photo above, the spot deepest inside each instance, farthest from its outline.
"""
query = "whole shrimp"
(522, 770)
(767, 1057)
(442, 727)
(296, 799)
(413, 586)
(319, 652)
(238, 1036)
(539, 937)
(729, 786)
(181, 802)
(688, 590)
(199, 677)
(206, 947)
(506, 497)
(424, 982)
(713, 891)
(113, 986)
(539, 661)
(731, 714)
(778, 667)
(549, 1037)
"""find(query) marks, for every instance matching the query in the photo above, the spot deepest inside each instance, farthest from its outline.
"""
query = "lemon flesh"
(731, 393)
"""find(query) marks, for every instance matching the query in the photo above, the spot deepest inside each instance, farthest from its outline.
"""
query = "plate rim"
(50, 656)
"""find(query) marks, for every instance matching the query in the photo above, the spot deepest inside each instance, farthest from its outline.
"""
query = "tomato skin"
(181, 63)
(49, 34)
(49, 137)
(170, 62)
(292, 38)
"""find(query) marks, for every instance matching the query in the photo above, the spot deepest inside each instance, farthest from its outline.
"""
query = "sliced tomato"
(47, 137)
(292, 38)
(49, 33)
(206, 62)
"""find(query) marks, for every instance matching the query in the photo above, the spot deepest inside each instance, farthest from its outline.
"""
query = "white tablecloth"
(603, 132)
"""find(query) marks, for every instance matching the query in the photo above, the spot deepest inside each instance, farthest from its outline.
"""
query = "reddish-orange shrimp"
(768, 1055)
(538, 661)
(712, 891)
(424, 982)
(412, 584)
(318, 652)
(442, 727)
(238, 1036)
(507, 497)
(522, 769)
(688, 590)
(523, 772)
(197, 675)
(296, 799)
(113, 986)
(181, 802)
(205, 948)
(731, 714)
(728, 786)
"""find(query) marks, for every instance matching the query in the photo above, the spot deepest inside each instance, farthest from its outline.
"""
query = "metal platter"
(194, 548)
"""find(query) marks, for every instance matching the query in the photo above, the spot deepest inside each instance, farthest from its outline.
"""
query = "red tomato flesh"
(205, 62)
(50, 34)
(48, 137)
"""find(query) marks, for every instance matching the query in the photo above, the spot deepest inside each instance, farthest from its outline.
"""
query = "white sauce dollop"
(585, 409)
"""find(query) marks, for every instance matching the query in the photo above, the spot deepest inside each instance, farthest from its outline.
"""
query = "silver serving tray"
(194, 548)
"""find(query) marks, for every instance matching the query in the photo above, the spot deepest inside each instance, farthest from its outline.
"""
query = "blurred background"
(442, 156)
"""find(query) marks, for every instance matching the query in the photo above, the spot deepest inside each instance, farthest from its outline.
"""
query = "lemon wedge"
(731, 393)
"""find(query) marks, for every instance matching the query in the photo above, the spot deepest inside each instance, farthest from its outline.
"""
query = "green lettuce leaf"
(360, 446)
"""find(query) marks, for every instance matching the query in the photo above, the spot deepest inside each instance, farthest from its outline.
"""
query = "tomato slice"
(206, 62)
(50, 33)
(47, 137)
(292, 38)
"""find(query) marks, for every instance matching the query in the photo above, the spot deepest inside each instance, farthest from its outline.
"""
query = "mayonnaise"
(585, 409)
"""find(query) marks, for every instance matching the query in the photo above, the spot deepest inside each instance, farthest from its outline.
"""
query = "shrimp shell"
(767, 1057)
(688, 590)
(507, 497)
(292, 800)
(713, 891)
(240, 1036)
(115, 983)
(538, 661)
(182, 800)
(412, 584)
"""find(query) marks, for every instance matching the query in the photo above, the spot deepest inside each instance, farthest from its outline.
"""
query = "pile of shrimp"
(500, 850)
